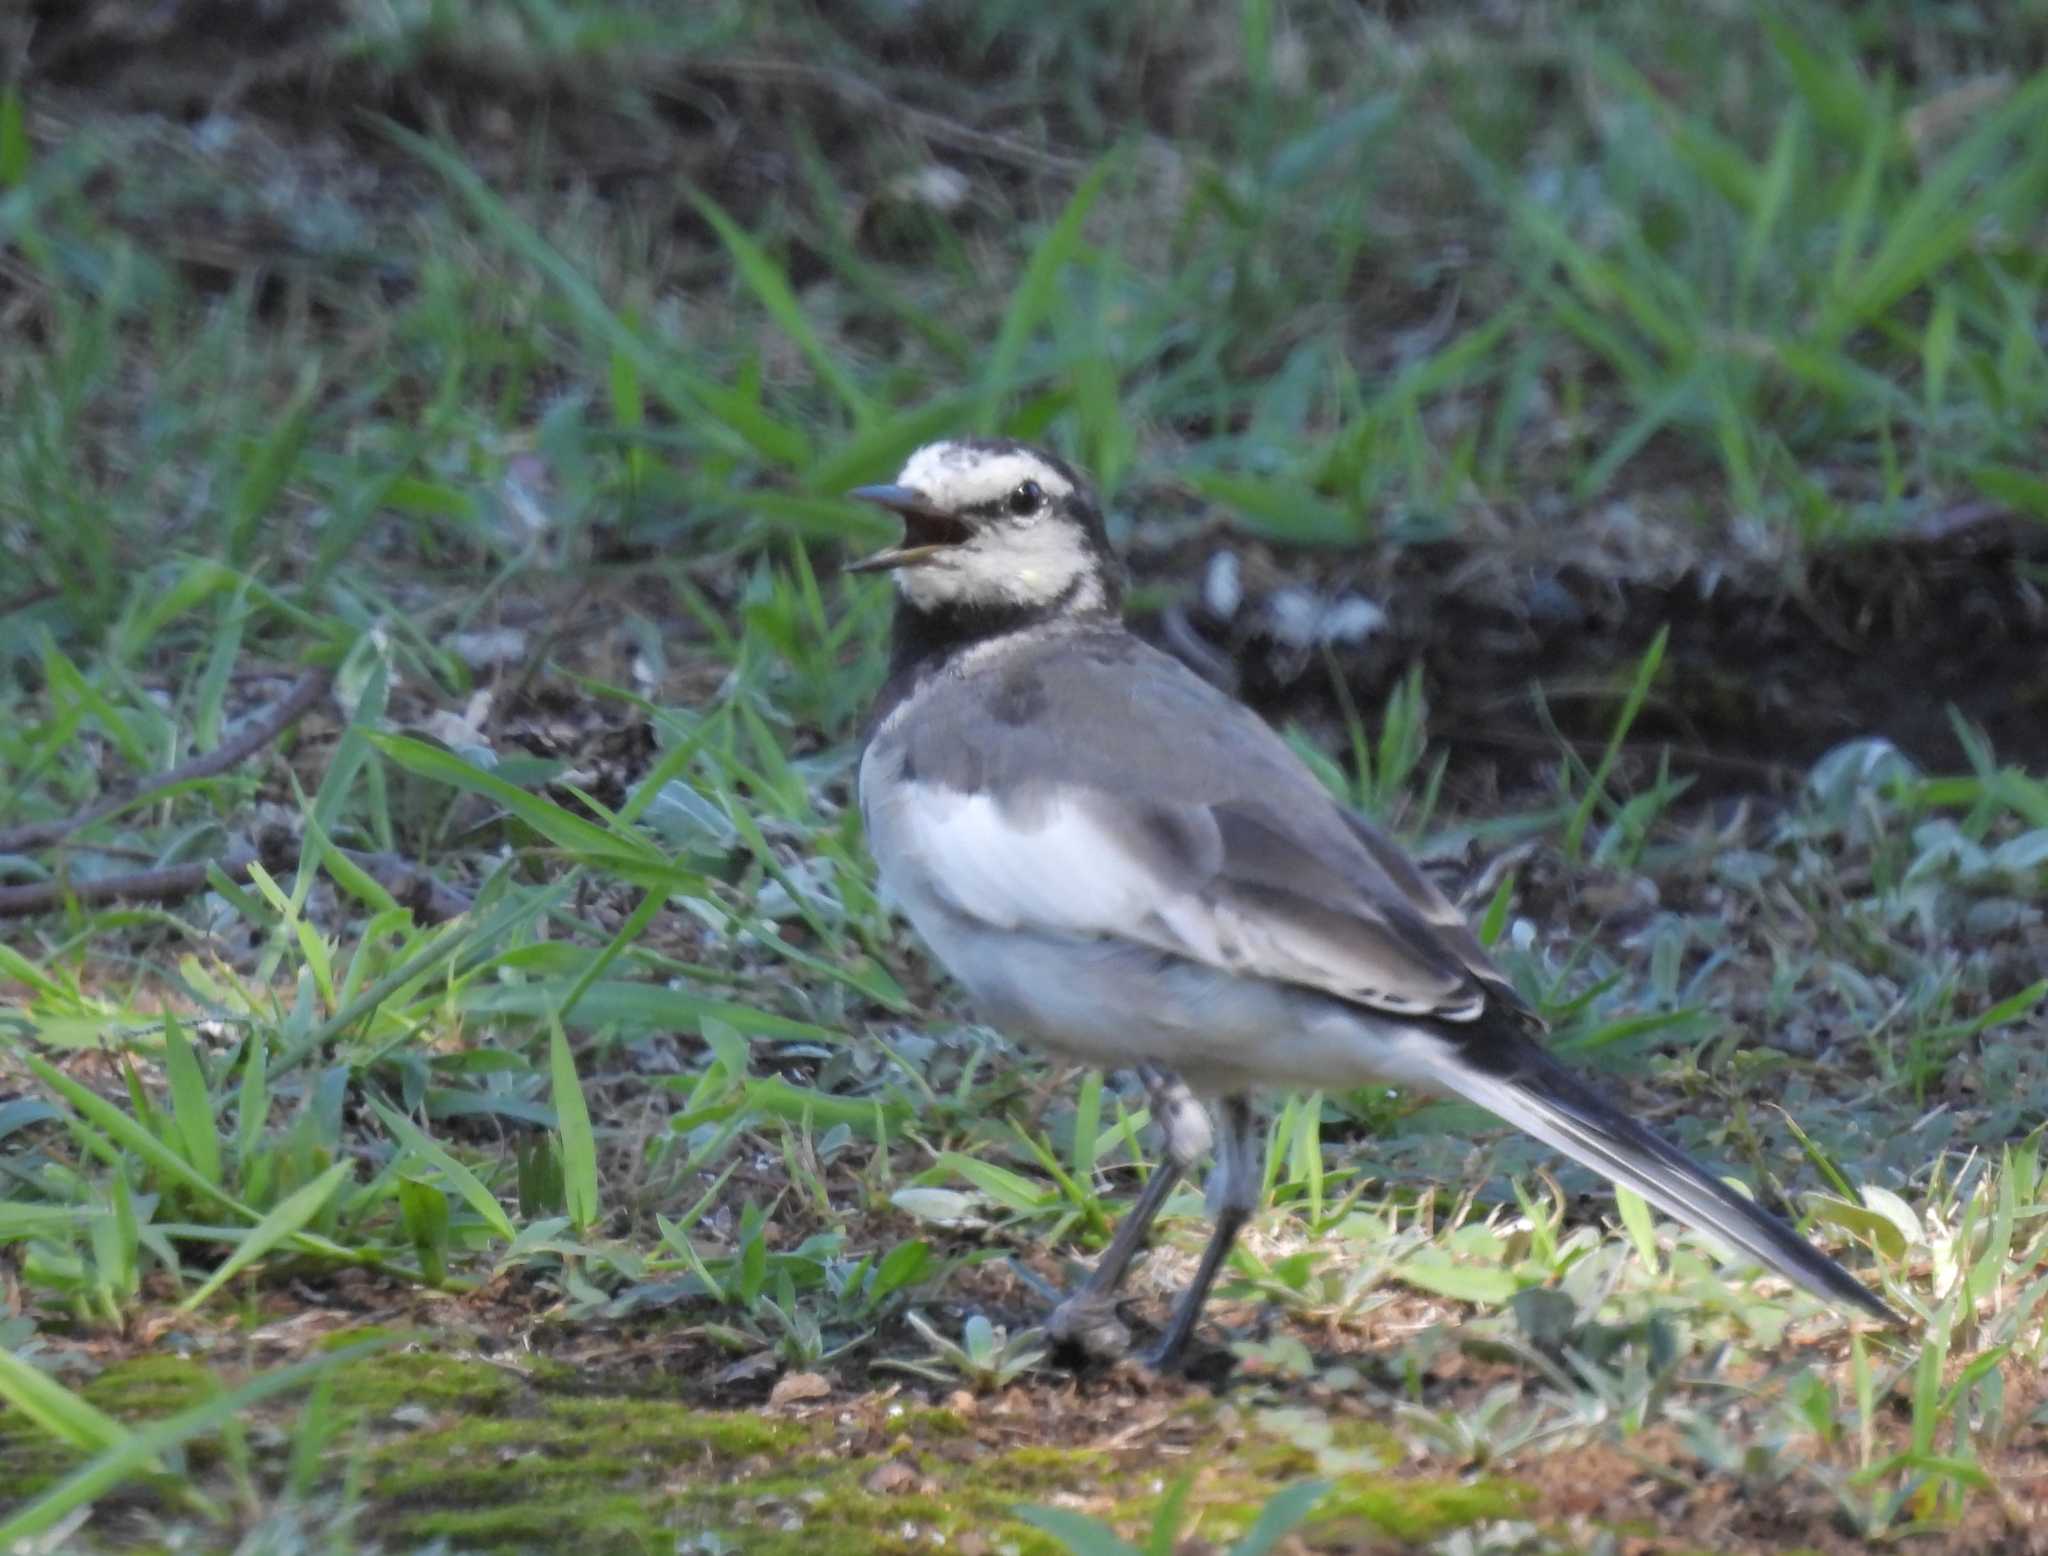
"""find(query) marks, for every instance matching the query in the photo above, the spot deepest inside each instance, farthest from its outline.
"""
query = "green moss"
(586, 1524)
(608, 1473)
(809, 1507)
(567, 1441)
(933, 1421)
(734, 1434)
(1039, 1471)
(1417, 1510)
(614, 1475)
(823, 1508)
(31, 1461)
(503, 1463)
(143, 1388)
(342, 1339)
(382, 1383)
(146, 1387)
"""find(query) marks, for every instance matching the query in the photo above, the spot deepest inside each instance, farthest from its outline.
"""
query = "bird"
(1128, 868)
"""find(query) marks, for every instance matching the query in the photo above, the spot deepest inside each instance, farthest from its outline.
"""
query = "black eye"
(1026, 499)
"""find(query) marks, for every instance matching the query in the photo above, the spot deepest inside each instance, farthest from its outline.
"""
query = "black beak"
(926, 530)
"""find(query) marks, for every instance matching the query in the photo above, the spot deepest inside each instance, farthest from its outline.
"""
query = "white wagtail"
(1129, 868)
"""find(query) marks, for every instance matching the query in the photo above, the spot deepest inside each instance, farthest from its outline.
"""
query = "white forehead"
(959, 475)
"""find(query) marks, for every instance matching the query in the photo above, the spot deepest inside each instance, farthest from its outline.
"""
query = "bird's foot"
(1088, 1320)
(1162, 1355)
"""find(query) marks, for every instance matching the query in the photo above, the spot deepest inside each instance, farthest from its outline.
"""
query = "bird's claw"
(1159, 1357)
(1089, 1321)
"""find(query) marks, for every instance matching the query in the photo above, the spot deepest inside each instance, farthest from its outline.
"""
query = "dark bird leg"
(1234, 1195)
(1087, 1317)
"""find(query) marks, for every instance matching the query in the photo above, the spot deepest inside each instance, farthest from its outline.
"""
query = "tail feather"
(1523, 1085)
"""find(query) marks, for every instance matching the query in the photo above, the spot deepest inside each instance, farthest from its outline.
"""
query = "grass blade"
(191, 1107)
(566, 830)
(689, 395)
(66, 1416)
(140, 1452)
(764, 278)
(126, 1132)
(579, 1144)
(1596, 785)
(472, 1188)
(1036, 294)
(285, 1220)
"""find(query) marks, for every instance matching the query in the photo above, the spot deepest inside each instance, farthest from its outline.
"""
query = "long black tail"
(1514, 1078)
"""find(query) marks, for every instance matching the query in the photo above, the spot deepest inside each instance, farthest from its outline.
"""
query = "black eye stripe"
(1006, 505)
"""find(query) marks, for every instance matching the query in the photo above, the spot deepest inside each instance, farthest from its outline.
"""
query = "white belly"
(1116, 1004)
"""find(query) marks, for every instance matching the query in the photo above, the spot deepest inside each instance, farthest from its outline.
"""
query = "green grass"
(509, 363)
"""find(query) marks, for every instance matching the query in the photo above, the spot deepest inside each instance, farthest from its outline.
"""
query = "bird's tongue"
(926, 530)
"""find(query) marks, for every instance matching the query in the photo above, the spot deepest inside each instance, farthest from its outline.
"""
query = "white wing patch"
(1062, 873)
(1055, 867)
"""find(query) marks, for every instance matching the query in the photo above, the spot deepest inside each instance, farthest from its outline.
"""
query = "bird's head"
(989, 524)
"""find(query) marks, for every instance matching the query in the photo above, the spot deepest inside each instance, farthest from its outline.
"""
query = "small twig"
(172, 883)
(411, 884)
(430, 901)
(309, 689)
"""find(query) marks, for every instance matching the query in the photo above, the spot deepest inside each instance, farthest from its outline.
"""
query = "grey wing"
(1130, 799)
(1355, 919)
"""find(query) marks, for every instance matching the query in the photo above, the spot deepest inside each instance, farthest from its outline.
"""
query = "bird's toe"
(1090, 1322)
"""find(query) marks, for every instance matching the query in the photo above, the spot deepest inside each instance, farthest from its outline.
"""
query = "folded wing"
(1230, 885)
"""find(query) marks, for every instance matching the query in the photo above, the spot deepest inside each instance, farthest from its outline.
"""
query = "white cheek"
(929, 587)
(1033, 567)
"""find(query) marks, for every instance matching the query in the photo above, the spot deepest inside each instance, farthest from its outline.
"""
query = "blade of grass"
(141, 1451)
(1596, 785)
(579, 1144)
(765, 279)
(472, 1189)
(1635, 1217)
(566, 830)
(1036, 293)
(191, 1107)
(66, 1416)
(692, 397)
(286, 1219)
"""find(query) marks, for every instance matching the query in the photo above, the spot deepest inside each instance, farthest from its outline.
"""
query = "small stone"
(934, 186)
(488, 647)
(795, 1387)
(1223, 585)
(1352, 619)
(1291, 616)
(745, 1370)
(891, 1478)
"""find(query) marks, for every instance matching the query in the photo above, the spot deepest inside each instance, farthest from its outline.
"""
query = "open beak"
(926, 530)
